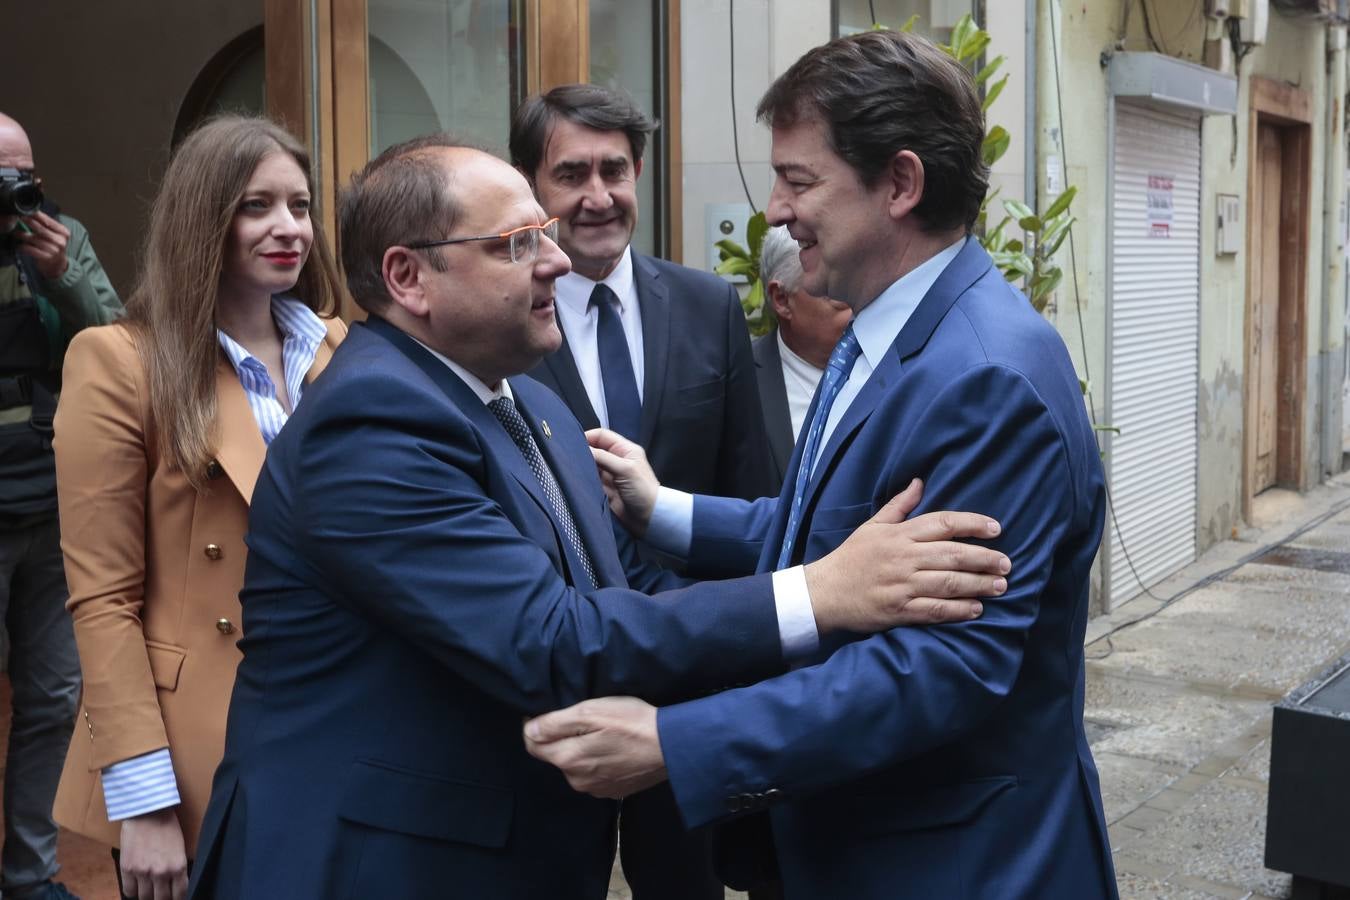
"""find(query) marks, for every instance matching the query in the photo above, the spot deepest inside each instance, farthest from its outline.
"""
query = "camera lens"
(21, 197)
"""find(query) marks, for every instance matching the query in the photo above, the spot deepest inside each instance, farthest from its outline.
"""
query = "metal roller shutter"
(1154, 345)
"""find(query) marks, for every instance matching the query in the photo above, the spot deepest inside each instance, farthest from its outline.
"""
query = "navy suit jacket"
(408, 600)
(928, 762)
(779, 436)
(701, 422)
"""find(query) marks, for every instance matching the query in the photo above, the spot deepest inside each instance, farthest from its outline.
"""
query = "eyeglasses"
(523, 241)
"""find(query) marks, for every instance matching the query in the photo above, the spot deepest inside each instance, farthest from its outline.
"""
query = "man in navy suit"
(652, 350)
(930, 762)
(431, 559)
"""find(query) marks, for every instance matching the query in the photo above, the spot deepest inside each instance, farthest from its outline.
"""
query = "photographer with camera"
(51, 286)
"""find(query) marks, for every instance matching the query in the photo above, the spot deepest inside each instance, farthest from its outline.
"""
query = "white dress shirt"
(800, 378)
(876, 327)
(579, 322)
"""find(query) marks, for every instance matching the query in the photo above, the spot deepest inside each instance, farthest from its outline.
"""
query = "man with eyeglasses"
(655, 351)
(431, 559)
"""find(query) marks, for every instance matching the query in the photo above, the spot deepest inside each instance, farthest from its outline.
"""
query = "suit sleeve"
(416, 543)
(102, 471)
(742, 467)
(729, 535)
(989, 444)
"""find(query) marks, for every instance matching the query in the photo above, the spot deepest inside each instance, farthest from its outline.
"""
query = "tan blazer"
(154, 570)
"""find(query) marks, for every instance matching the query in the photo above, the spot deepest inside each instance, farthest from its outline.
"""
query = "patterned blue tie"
(836, 373)
(616, 366)
(514, 423)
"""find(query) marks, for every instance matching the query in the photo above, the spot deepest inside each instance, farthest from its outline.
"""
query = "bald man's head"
(15, 151)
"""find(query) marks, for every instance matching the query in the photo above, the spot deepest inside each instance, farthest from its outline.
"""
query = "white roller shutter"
(1154, 346)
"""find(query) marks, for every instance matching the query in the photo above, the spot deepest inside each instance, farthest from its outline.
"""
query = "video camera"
(20, 192)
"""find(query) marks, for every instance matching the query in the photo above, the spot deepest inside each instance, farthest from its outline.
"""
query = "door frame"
(1288, 109)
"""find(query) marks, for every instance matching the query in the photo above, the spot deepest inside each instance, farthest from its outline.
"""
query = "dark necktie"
(514, 423)
(841, 362)
(616, 366)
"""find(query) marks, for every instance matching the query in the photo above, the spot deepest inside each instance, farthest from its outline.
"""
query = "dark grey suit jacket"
(773, 401)
(701, 422)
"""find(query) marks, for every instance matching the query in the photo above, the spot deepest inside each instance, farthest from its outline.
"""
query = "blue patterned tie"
(616, 366)
(514, 423)
(836, 373)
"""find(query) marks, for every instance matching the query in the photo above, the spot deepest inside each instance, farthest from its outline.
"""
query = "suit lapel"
(968, 267)
(500, 444)
(241, 449)
(773, 399)
(562, 369)
(588, 519)
(654, 302)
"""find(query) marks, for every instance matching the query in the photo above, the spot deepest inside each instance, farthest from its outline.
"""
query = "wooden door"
(1263, 443)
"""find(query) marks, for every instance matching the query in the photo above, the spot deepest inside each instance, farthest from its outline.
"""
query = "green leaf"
(1051, 246)
(1061, 202)
(729, 249)
(1030, 223)
(755, 229)
(735, 266)
(754, 300)
(988, 71)
(1046, 283)
(995, 144)
(1017, 209)
(974, 46)
(1013, 265)
(1084, 386)
(993, 93)
(1014, 246)
(908, 26)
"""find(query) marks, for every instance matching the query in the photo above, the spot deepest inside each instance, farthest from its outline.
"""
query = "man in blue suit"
(431, 558)
(938, 762)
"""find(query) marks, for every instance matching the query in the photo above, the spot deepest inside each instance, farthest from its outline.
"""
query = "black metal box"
(1308, 816)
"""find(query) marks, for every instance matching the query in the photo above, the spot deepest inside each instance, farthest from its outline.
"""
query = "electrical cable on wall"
(735, 141)
(1078, 303)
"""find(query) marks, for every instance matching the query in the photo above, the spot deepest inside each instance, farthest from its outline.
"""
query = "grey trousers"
(44, 674)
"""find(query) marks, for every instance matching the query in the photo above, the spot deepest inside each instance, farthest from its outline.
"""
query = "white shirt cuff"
(671, 529)
(142, 784)
(796, 619)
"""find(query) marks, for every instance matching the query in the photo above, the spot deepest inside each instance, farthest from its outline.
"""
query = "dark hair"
(400, 197)
(880, 92)
(585, 104)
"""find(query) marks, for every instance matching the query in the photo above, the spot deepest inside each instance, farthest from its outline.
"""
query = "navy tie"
(514, 423)
(616, 366)
(836, 373)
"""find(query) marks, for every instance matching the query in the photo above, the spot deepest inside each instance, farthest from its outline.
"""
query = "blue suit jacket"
(928, 762)
(407, 603)
(701, 421)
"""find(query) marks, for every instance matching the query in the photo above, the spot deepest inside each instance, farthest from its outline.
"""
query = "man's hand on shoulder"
(893, 571)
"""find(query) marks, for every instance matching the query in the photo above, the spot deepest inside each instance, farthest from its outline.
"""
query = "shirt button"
(224, 626)
(213, 551)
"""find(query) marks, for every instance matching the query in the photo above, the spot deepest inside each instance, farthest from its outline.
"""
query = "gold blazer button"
(224, 626)
(213, 551)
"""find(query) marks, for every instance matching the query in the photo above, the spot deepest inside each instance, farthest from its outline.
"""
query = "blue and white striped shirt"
(146, 783)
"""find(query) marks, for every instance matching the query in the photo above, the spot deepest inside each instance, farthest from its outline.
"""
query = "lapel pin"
(548, 432)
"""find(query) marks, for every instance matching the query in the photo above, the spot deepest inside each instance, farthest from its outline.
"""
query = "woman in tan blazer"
(160, 436)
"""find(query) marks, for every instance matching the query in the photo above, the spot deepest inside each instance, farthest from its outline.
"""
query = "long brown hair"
(172, 310)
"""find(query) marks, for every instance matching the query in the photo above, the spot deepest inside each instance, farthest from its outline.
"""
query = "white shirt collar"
(575, 290)
(480, 389)
(877, 326)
